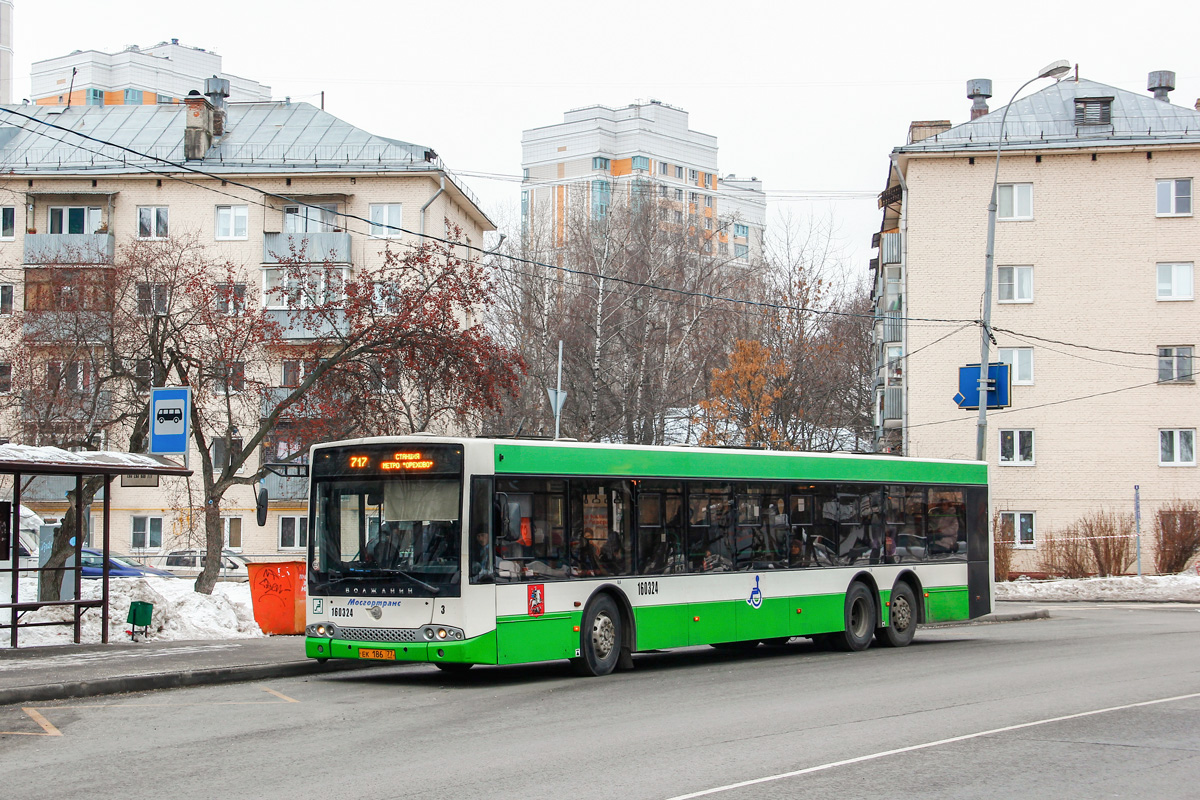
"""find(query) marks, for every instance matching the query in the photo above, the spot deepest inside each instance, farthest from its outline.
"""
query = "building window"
(679, 194)
(708, 201)
(70, 376)
(1177, 447)
(640, 162)
(5, 378)
(1016, 284)
(601, 198)
(1016, 447)
(163, 99)
(6, 298)
(895, 365)
(662, 191)
(229, 376)
(303, 287)
(222, 457)
(692, 197)
(708, 180)
(741, 230)
(679, 173)
(692, 176)
(600, 162)
(295, 371)
(386, 220)
(1175, 282)
(312, 218)
(232, 222)
(152, 222)
(678, 217)
(664, 168)
(133, 97)
(1093, 110)
(1021, 359)
(74, 219)
(708, 223)
(293, 532)
(741, 250)
(525, 173)
(146, 533)
(233, 532)
(143, 373)
(231, 298)
(153, 299)
(93, 97)
(1175, 197)
(1015, 200)
(1018, 527)
(8, 222)
(1175, 365)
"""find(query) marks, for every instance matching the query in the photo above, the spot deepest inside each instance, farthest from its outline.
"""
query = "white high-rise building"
(596, 152)
(164, 73)
(6, 51)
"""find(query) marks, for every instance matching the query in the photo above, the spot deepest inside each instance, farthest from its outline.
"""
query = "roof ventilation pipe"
(217, 90)
(436, 195)
(978, 91)
(1161, 82)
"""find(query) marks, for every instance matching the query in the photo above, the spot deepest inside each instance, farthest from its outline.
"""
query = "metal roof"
(27, 460)
(1046, 120)
(267, 137)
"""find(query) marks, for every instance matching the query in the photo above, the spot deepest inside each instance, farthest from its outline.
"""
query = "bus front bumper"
(477, 650)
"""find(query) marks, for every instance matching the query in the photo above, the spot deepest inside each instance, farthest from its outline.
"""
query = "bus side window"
(481, 548)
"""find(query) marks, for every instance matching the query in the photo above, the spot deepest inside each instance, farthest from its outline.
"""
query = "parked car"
(119, 566)
(189, 563)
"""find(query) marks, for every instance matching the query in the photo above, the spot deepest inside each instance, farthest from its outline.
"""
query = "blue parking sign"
(170, 415)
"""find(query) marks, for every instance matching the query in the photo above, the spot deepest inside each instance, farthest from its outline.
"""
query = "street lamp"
(1053, 70)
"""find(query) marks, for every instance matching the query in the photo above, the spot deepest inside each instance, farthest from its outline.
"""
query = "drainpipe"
(903, 303)
(436, 195)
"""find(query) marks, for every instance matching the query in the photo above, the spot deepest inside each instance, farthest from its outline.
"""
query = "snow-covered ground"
(1152, 589)
(179, 612)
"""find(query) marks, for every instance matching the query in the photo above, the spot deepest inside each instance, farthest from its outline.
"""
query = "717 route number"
(647, 587)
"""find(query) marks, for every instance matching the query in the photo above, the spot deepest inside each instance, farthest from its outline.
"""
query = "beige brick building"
(329, 186)
(1094, 302)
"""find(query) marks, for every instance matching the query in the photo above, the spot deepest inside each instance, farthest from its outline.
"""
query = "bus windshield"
(387, 536)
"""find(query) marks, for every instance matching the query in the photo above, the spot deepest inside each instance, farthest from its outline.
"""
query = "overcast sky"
(810, 97)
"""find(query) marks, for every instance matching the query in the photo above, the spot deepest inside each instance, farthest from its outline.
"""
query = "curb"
(1013, 616)
(170, 680)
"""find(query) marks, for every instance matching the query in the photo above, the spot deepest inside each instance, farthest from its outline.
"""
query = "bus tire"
(453, 667)
(903, 618)
(859, 620)
(599, 637)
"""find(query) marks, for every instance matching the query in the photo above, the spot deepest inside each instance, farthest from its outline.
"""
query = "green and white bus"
(505, 551)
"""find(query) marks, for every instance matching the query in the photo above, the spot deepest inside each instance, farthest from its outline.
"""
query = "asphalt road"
(1098, 701)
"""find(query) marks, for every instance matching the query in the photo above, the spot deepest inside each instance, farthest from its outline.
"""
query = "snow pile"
(1151, 588)
(179, 612)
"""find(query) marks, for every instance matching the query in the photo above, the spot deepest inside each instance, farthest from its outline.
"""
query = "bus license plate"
(383, 655)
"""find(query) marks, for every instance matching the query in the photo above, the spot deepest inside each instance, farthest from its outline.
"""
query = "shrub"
(1002, 546)
(1099, 543)
(1178, 530)
(1065, 554)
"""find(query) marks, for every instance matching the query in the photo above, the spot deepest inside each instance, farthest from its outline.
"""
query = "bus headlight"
(321, 629)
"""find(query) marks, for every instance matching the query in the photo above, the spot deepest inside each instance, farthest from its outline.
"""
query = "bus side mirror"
(260, 506)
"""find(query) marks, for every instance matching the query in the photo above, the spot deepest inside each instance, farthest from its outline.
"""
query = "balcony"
(893, 407)
(69, 248)
(889, 248)
(309, 248)
(280, 488)
(71, 327)
(893, 326)
(301, 325)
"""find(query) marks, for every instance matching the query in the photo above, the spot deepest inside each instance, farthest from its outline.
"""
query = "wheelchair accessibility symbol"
(756, 595)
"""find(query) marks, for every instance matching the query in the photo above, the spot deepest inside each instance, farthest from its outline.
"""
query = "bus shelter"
(22, 461)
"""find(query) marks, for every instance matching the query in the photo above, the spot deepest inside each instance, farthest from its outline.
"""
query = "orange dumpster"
(277, 592)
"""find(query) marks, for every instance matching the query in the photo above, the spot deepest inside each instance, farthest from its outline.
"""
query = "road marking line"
(926, 745)
(47, 728)
(269, 690)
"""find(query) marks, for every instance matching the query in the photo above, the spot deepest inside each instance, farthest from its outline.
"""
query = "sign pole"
(1137, 517)
(558, 394)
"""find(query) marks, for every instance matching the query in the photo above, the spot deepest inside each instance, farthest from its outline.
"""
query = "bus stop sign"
(999, 393)
(170, 415)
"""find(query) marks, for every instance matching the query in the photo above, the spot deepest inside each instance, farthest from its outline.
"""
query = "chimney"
(924, 128)
(1161, 82)
(198, 128)
(217, 89)
(979, 90)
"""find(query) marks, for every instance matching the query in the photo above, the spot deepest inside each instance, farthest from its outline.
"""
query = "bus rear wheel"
(860, 620)
(903, 618)
(599, 637)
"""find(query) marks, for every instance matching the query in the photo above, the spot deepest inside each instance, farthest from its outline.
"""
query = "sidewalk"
(40, 674)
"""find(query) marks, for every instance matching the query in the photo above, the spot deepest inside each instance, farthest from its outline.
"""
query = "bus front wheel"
(860, 619)
(599, 637)
(903, 606)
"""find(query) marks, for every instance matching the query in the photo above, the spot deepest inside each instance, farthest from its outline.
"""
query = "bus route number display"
(398, 461)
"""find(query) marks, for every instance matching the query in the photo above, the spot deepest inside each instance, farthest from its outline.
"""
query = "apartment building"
(598, 153)
(71, 205)
(164, 73)
(1095, 309)
(6, 51)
